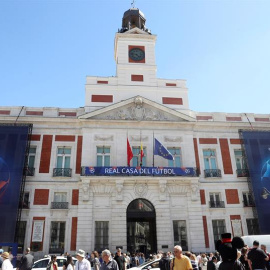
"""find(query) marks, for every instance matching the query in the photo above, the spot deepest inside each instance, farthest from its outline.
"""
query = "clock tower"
(136, 71)
(135, 50)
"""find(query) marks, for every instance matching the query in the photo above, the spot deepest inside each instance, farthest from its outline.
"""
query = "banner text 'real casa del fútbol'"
(139, 171)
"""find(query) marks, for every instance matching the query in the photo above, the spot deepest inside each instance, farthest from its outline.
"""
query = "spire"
(133, 18)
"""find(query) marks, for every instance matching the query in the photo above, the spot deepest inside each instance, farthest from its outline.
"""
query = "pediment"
(138, 109)
(136, 30)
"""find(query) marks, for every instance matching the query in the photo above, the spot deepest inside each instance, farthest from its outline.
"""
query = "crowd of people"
(254, 258)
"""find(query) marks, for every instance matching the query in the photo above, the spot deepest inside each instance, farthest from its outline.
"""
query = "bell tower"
(134, 50)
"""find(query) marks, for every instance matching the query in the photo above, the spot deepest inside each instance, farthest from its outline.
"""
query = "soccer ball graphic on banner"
(4, 177)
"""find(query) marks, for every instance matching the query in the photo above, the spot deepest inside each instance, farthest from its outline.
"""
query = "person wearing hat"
(6, 265)
(82, 263)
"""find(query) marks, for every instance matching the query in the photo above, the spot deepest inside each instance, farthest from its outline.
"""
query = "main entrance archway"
(141, 227)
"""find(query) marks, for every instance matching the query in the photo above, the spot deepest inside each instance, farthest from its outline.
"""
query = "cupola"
(133, 18)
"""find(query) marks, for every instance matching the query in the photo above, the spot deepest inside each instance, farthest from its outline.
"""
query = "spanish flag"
(141, 154)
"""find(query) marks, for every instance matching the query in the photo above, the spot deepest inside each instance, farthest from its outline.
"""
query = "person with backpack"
(164, 263)
(133, 261)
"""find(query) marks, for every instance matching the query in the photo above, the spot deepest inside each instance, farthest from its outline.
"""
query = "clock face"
(136, 54)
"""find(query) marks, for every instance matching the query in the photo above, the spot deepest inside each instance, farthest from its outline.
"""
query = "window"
(21, 236)
(176, 152)
(31, 157)
(215, 200)
(25, 202)
(247, 199)
(30, 170)
(253, 226)
(59, 201)
(57, 243)
(103, 156)
(101, 235)
(218, 228)
(136, 160)
(241, 166)
(63, 157)
(240, 160)
(41, 263)
(60, 197)
(180, 233)
(209, 157)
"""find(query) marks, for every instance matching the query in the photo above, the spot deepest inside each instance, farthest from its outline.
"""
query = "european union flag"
(162, 151)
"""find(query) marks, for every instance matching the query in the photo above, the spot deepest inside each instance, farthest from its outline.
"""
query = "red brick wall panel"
(67, 113)
(46, 150)
(75, 197)
(40, 244)
(35, 137)
(232, 196)
(73, 233)
(259, 119)
(205, 229)
(41, 197)
(4, 112)
(102, 98)
(65, 138)
(236, 141)
(202, 195)
(79, 155)
(204, 117)
(232, 118)
(172, 100)
(136, 78)
(207, 141)
(34, 113)
(102, 82)
(196, 154)
(170, 84)
(226, 157)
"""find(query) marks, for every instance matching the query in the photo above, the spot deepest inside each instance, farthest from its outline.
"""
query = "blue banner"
(139, 171)
(257, 148)
(13, 145)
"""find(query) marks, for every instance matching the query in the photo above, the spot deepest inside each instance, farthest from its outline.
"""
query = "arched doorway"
(141, 227)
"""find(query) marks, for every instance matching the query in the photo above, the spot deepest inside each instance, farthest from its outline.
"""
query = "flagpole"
(140, 148)
(153, 150)
(127, 147)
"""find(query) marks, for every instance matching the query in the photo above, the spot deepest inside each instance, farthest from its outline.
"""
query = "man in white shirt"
(82, 263)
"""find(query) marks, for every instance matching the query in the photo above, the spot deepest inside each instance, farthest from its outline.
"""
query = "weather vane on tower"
(133, 3)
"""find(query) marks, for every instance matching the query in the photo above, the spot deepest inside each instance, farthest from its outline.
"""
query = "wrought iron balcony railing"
(242, 172)
(25, 205)
(30, 171)
(62, 172)
(212, 173)
(248, 204)
(217, 204)
(59, 205)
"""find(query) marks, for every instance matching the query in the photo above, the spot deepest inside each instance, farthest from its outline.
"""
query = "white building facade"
(67, 205)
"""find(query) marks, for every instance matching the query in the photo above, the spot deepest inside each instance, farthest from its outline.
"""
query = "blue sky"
(221, 47)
